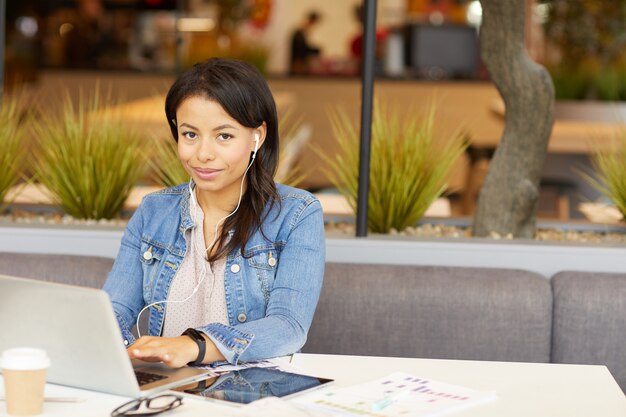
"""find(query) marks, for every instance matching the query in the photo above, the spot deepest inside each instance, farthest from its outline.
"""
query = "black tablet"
(247, 385)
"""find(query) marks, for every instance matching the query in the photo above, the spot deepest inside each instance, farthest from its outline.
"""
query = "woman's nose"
(206, 150)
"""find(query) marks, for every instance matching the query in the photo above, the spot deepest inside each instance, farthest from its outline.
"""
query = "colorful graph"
(398, 394)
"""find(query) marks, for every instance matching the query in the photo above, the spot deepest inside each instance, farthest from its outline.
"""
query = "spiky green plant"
(293, 138)
(610, 165)
(88, 158)
(13, 148)
(408, 166)
(168, 170)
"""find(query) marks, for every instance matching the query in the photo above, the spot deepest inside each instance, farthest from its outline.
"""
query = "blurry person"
(90, 38)
(301, 50)
(356, 43)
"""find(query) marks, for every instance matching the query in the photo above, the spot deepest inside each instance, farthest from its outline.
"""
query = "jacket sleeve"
(292, 300)
(124, 285)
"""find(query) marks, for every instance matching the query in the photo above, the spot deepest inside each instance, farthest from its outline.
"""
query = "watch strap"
(197, 337)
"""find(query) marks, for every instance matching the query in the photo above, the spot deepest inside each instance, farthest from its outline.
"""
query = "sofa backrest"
(433, 312)
(589, 321)
(87, 271)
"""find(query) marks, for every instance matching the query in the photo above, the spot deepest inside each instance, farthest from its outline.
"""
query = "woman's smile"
(207, 174)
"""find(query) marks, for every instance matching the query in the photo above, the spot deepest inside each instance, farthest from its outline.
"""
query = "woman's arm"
(292, 300)
(172, 351)
(289, 312)
(125, 281)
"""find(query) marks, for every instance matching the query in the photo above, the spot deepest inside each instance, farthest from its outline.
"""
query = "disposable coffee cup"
(24, 371)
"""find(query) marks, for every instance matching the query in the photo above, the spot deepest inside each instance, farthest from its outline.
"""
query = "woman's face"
(213, 147)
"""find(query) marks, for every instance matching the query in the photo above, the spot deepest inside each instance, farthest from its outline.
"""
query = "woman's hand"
(175, 352)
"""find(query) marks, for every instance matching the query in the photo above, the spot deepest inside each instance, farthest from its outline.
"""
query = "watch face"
(196, 335)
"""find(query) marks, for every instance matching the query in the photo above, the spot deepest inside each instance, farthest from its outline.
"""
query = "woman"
(228, 267)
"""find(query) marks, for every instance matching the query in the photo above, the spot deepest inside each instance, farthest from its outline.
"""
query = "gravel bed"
(23, 217)
(448, 231)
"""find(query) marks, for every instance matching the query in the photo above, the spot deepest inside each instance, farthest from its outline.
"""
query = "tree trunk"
(508, 198)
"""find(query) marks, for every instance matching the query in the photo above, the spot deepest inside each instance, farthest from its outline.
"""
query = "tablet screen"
(251, 384)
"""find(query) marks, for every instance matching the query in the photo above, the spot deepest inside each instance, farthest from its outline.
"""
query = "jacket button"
(147, 255)
(234, 268)
(271, 261)
(242, 317)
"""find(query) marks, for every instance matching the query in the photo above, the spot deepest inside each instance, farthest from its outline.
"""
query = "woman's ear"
(259, 133)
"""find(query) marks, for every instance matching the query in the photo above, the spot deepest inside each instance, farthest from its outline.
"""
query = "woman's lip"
(206, 173)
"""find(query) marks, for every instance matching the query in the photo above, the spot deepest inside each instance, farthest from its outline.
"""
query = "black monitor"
(444, 51)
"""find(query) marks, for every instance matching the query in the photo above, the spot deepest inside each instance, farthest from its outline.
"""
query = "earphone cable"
(203, 273)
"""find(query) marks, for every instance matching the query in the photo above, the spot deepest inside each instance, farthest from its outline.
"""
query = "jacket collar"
(186, 222)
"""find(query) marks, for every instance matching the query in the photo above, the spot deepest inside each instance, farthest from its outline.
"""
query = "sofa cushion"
(88, 271)
(589, 323)
(433, 312)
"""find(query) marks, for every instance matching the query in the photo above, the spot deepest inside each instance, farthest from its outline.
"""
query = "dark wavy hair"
(244, 94)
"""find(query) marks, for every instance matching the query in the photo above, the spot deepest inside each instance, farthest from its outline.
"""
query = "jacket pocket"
(151, 257)
(264, 263)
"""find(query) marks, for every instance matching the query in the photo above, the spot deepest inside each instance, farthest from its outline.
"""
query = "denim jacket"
(270, 302)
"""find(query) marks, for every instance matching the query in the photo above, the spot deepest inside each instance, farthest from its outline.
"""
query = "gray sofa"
(435, 311)
(87, 271)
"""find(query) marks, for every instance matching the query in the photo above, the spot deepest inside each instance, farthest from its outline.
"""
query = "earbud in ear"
(256, 142)
(256, 145)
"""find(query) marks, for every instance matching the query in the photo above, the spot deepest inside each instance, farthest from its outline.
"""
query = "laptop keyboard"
(147, 377)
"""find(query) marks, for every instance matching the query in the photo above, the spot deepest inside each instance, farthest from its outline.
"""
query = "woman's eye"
(224, 136)
(190, 135)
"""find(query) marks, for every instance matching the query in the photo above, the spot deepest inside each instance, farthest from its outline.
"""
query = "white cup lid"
(22, 359)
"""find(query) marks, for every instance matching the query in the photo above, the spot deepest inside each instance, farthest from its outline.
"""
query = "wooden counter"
(473, 106)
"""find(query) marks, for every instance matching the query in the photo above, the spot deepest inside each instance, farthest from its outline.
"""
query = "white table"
(523, 389)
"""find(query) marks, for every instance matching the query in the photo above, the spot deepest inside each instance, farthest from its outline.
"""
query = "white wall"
(332, 34)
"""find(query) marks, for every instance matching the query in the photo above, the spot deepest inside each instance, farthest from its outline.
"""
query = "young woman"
(229, 266)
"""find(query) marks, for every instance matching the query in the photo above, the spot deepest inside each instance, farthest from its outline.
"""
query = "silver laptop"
(78, 329)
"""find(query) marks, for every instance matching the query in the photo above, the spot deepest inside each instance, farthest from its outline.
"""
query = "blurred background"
(311, 53)
(169, 35)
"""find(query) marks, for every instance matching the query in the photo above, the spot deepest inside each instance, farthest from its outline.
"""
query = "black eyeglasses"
(148, 406)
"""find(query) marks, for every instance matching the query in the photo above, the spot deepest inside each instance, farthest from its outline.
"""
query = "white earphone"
(217, 225)
(256, 145)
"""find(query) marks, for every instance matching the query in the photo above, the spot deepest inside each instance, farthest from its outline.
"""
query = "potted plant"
(610, 168)
(88, 158)
(13, 121)
(409, 166)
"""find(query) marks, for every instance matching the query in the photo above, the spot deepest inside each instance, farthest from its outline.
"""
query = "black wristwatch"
(197, 337)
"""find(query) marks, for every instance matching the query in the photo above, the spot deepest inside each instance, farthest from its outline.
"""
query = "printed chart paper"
(398, 394)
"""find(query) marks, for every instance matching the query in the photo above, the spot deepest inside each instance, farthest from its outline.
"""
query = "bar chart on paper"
(398, 394)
